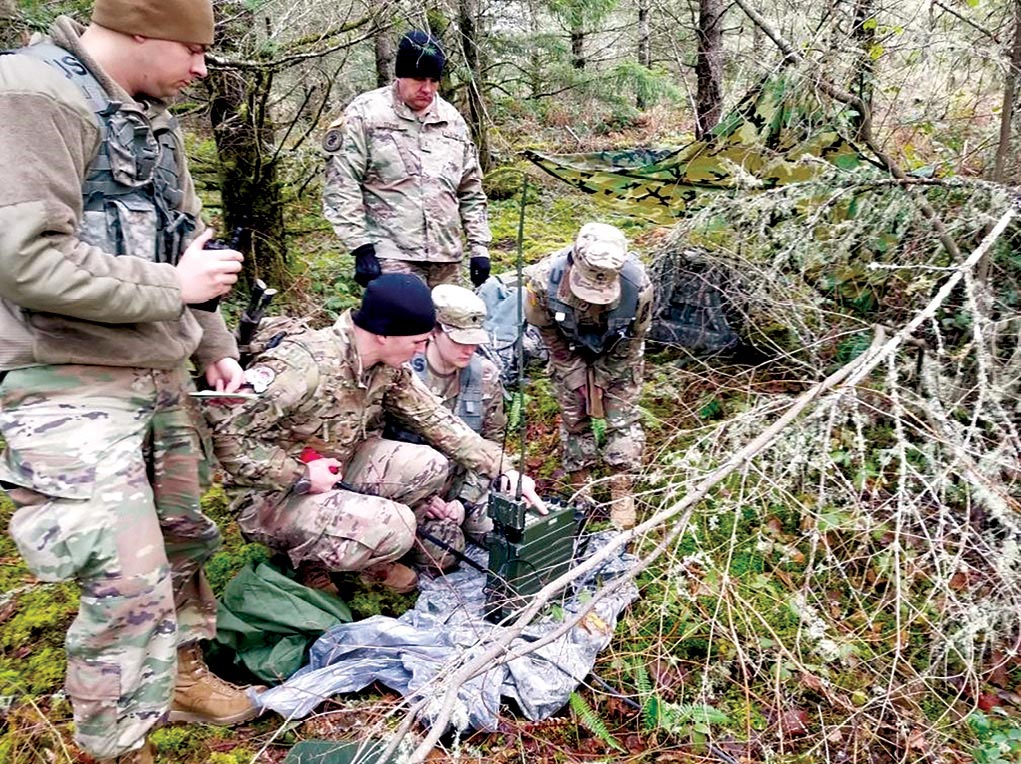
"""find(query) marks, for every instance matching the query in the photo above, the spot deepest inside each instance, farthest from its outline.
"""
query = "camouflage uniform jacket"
(450, 390)
(406, 183)
(570, 365)
(318, 395)
(62, 300)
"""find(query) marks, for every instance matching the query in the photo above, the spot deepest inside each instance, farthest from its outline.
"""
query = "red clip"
(309, 454)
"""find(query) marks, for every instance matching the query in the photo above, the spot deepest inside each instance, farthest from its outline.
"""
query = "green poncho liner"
(780, 133)
(269, 620)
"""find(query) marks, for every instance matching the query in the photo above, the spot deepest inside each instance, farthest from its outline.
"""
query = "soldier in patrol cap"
(469, 386)
(100, 258)
(323, 397)
(592, 303)
(403, 181)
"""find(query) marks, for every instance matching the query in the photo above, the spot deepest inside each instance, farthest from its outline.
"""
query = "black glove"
(478, 269)
(366, 264)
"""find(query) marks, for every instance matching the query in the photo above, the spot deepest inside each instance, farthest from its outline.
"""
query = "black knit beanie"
(396, 305)
(419, 56)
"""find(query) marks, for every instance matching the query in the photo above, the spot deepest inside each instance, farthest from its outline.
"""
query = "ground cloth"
(446, 627)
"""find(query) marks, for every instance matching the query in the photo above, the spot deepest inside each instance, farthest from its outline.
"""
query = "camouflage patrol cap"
(461, 314)
(187, 21)
(599, 253)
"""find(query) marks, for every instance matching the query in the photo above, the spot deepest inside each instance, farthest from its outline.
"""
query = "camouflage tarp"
(780, 133)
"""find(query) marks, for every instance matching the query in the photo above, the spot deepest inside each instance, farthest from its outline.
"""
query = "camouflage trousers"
(353, 530)
(432, 274)
(105, 466)
(625, 438)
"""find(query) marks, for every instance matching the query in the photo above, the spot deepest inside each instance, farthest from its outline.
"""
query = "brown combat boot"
(392, 575)
(141, 755)
(201, 696)
(316, 576)
(622, 502)
(581, 488)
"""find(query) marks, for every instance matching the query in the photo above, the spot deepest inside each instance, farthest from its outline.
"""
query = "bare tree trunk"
(578, 48)
(1009, 93)
(864, 77)
(534, 60)
(385, 48)
(644, 47)
(468, 14)
(709, 66)
(439, 27)
(250, 190)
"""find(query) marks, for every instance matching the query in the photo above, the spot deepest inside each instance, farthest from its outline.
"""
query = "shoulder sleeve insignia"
(260, 378)
(333, 139)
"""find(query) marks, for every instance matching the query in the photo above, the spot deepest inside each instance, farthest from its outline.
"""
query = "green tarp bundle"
(268, 620)
(780, 133)
(334, 752)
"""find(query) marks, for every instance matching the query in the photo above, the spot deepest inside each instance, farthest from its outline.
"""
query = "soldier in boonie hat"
(592, 303)
(600, 251)
(461, 314)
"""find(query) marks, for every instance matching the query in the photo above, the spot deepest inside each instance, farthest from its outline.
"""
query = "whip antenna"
(520, 349)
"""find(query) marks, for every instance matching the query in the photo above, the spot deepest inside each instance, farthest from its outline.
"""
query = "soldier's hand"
(225, 375)
(366, 264)
(322, 474)
(478, 270)
(509, 482)
(205, 274)
(438, 509)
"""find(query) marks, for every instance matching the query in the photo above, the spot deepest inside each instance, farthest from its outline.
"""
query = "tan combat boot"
(316, 576)
(201, 696)
(141, 755)
(392, 575)
(622, 502)
(581, 488)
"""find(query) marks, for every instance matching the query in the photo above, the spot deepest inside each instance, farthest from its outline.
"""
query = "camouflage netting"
(780, 133)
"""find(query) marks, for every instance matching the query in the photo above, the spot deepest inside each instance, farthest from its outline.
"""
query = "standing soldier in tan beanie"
(101, 261)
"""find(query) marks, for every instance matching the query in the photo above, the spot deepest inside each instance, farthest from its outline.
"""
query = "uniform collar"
(343, 332)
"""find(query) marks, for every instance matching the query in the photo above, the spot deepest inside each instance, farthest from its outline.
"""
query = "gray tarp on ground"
(447, 625)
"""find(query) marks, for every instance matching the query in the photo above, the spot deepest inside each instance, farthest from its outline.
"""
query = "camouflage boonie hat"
(599, 253)
(461, 314)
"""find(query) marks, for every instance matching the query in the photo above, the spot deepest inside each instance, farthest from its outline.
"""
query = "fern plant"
(590, 720)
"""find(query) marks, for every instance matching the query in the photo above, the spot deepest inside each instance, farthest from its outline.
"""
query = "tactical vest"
(618, 321)
(469, 400)
(132, 192)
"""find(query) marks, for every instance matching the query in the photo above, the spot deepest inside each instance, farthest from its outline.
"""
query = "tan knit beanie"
(187, 21)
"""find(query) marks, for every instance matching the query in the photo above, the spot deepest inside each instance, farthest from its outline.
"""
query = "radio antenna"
(520, 349)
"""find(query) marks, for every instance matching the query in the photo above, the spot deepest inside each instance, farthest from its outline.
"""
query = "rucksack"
(501, 295)
(271, 332)
(692, 308)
